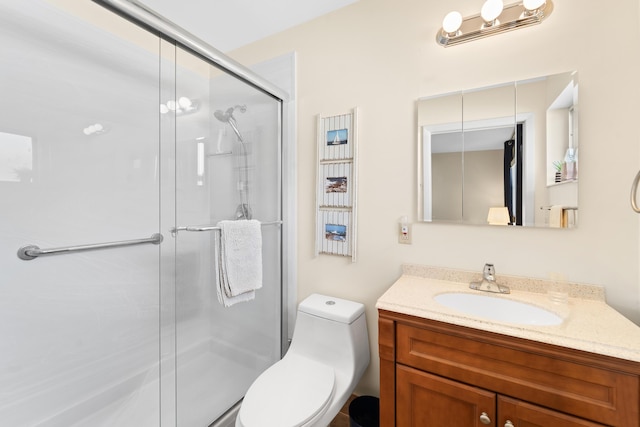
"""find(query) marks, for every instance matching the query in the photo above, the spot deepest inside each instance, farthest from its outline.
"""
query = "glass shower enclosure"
(121, 148)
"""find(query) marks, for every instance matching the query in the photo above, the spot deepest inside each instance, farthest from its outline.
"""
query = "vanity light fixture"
(494, 18)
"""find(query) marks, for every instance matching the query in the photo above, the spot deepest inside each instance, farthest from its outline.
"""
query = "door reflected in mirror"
(513, 146)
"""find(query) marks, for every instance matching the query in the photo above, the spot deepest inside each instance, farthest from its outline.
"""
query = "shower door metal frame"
(147, 18)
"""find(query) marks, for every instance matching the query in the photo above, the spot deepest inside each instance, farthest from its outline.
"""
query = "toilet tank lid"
(340, 310)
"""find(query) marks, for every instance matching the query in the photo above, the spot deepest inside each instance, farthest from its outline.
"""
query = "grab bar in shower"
(634, 190)
(214, 227)
(30, 252)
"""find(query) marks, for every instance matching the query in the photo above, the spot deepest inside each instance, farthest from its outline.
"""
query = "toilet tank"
(332, 331)
(331, 308)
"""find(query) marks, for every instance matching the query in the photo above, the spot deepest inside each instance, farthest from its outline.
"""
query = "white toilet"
(327, 357)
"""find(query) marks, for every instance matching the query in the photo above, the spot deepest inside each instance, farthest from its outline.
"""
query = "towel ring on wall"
(634, 191)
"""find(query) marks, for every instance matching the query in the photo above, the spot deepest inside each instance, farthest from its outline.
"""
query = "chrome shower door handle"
(634, 193)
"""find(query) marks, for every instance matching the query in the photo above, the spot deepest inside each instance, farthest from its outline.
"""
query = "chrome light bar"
(512, 17)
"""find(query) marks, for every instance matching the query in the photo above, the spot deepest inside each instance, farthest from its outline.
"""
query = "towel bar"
(214, 227)
(30, 252)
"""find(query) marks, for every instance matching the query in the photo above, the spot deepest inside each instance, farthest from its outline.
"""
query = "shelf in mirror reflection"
(568, 181)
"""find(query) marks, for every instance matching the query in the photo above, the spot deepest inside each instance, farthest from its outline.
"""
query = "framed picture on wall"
(336, 185)
(335, 232)
(336, 135)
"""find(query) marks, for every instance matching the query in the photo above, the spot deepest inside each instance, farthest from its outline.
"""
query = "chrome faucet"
(488, 283)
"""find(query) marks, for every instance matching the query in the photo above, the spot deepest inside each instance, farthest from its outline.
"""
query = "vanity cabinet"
(436, 374)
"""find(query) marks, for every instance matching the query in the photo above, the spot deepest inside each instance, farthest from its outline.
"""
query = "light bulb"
(171, 105)
(532, 5)
(451, 22)
(491, 9)
(184, 102)
(98, 127)
(163, 109)
(86, 131)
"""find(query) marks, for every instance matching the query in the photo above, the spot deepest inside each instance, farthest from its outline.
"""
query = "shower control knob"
(508, 424)
(484, 418)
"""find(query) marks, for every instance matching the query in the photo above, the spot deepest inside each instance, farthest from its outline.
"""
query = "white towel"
(239, 261)
(555, 216)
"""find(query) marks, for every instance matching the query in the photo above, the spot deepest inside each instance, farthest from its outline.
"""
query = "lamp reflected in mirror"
(498, 215)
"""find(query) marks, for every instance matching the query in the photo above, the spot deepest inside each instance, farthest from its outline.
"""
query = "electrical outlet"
(404, 234)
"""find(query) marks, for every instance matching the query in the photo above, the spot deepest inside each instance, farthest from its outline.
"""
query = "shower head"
(227, 117)
(222, 115)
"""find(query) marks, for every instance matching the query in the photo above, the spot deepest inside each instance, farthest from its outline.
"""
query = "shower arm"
(234, 126)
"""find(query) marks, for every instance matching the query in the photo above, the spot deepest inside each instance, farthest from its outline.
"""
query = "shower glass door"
(111, 133)
(79, 332)
(227, 167)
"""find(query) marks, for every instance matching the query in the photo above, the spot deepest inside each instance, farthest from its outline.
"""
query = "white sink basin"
(496, 308)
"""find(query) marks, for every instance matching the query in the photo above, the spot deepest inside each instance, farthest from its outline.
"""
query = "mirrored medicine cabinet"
(501, 155)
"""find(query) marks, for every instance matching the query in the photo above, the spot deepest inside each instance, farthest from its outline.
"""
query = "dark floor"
(342, 419)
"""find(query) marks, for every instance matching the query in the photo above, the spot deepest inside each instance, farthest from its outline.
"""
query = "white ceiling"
(229, 24)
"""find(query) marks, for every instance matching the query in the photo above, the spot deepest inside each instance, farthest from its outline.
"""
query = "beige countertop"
(589, 323)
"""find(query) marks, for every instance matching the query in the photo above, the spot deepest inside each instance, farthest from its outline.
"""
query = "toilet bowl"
(327, 357)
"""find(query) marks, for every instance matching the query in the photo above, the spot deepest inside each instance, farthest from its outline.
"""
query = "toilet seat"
(291, 393)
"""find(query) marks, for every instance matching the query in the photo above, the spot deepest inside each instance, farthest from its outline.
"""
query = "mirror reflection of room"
(501, 155)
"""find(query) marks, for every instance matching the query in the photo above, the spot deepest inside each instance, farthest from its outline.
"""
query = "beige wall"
(380, 55)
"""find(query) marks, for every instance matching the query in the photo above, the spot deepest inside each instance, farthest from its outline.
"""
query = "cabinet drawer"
(554, 381)
(523, 414)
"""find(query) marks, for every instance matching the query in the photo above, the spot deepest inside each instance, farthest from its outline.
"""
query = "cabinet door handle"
(508, 424)
(484, 418)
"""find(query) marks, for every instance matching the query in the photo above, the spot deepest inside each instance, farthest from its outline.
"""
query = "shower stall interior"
(113, 130)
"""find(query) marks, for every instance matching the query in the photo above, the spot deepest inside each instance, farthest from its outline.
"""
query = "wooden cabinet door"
(521, 414)
(426, 400)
